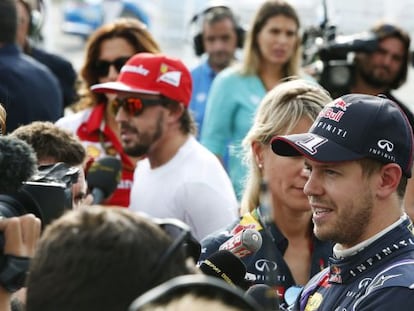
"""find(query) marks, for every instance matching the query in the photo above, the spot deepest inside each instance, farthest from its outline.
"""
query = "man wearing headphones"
(62, 69)
(219, 38)
(28, 90)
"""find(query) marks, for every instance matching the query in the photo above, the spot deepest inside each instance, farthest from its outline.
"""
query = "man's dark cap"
(353, 127)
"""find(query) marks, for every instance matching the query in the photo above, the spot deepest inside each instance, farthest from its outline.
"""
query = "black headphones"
(198, 19)
(198, 285)
(36, 17)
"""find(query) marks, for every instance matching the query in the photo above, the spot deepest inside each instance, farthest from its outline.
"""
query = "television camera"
(330, 57)
(47, 195)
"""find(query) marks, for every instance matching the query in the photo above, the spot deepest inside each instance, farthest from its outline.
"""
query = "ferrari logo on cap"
(172, 77)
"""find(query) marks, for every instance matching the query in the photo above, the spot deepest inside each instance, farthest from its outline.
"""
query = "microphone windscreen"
(264, 295)
(225, 265)
(104, 174)
(243, 243)
(252, 240)
(17, 163)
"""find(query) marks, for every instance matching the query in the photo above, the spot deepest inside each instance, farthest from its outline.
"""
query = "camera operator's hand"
(20, 234)
(20, 237)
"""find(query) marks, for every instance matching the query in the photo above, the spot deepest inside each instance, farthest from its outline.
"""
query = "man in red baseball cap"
(178, 177)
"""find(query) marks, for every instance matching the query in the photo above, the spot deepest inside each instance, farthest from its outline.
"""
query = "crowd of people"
(243, 183)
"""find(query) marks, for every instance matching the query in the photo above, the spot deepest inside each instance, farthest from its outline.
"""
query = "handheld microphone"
(226, 266)
(17, 164)
(265, 296)
(103, 177)
(243, 243)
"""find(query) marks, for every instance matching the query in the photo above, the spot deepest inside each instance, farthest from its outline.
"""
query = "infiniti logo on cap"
(385, 145)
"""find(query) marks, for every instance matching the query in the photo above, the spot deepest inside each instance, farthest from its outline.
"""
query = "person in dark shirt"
(28, 90)
(59, 66)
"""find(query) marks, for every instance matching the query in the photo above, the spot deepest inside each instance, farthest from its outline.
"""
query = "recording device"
(45, 192)
(330, 57)
(342, 45)
(51, 188)
(198, 20)
(225, 265)
(265, 296)
(47, 195)
(103, 177)
(17, 164)
(243, 243)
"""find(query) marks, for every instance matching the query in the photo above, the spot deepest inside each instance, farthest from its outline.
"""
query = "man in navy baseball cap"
(353, 127)
(358, 157)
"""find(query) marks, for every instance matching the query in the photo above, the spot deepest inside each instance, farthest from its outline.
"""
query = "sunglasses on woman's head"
(102, 66)
(134, 106)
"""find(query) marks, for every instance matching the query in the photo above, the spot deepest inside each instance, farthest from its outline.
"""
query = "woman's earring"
(260, 165)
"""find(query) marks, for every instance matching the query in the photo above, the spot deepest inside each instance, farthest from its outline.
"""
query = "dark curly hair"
(50, 141)
(386, 30)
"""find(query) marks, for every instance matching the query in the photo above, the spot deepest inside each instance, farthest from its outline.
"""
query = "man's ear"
(176, 111)
(390, 175)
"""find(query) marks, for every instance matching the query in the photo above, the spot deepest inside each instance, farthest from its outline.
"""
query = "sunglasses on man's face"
(102, 66)
(134, 106)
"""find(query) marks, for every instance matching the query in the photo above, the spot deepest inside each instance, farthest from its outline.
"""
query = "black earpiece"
(36, 17)
(225, 12)
(36, 22)
(198, 285)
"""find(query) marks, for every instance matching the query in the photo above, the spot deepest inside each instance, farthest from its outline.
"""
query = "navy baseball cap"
(353, 127)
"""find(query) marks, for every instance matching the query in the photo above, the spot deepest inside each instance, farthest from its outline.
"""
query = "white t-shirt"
(193, 187)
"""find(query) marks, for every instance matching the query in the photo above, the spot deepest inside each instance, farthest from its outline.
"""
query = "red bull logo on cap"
(335, 114)
(340, 104)
(330, 114)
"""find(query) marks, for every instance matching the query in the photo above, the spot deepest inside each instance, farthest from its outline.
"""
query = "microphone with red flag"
(243, 243)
